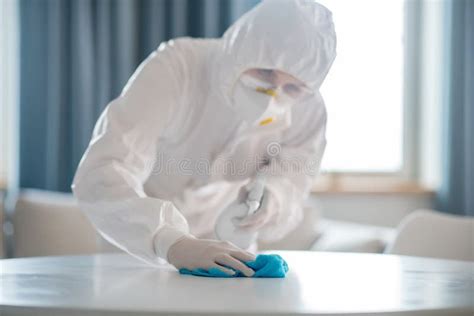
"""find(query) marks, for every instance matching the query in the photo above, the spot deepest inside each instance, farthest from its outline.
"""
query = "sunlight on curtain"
(8, 90)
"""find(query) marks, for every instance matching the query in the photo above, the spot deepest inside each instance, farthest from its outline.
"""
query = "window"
(364, 89)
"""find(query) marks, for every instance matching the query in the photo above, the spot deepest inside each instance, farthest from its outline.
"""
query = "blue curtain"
(76, 56)
(457, 191)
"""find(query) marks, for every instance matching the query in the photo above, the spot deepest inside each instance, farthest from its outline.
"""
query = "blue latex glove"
(265, 266)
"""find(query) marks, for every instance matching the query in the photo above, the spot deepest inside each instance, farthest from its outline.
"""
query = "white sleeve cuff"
(164, 238)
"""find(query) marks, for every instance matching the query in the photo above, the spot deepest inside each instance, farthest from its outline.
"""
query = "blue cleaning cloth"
(265, 266)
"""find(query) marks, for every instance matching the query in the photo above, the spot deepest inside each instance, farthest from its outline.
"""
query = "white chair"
(50, 223)
(428, 233)
(342, 236)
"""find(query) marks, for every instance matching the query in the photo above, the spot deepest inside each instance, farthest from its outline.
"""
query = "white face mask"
(258, 104)
(250, 103)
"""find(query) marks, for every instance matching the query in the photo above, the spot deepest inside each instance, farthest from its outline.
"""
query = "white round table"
(318, 283)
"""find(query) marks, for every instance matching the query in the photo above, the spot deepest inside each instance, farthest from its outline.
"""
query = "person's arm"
(291, 172)
(109, 180)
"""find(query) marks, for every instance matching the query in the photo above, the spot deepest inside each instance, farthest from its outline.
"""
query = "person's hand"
(255, 190)
(265, 214)
(255, 194)
(192, 253)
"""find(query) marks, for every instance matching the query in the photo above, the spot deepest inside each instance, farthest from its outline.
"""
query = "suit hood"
(296, 37)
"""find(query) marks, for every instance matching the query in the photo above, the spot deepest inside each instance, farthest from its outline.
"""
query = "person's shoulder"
(186, 54)
(188, 45)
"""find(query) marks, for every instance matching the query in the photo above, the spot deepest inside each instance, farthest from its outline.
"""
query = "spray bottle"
(227, 223)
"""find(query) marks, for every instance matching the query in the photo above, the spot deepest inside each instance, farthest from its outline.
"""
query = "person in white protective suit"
(197, 123)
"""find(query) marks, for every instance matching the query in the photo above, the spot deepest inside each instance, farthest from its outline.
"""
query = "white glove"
(192, 253)
(227, 226)
(228, 223)
(264, 215)
(254, 197)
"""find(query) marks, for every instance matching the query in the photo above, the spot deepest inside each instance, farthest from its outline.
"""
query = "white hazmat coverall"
(174, 148)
